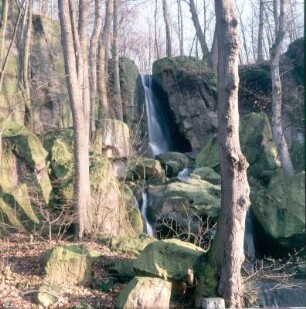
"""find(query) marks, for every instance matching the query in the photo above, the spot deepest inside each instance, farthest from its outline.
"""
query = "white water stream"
(144, 212)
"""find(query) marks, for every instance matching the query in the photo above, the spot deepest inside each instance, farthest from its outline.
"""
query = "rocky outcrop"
(256, 143)
(190, 91)
(112, 139)
(23, 176)
(280, 210)
(145, 168)
(144, 292)
(173, 162)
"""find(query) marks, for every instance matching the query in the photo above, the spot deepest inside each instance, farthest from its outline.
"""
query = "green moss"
(136, 220)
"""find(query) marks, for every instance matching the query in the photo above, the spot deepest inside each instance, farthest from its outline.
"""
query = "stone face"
(146, 168)
(280, 210)
(67, 265)
(145, 293)
(133, 245)
(113, 139)
(173, 162)
(23, 171)
(256, 144)
(213, 303)
(208, 174)
(184, 79)
(170, 259)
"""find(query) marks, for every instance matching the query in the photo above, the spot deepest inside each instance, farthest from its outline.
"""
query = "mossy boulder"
(170, 259)
(122, 268)
(280, 210)
(133, 245)
(67, 265)
(112, 139)
(172, 162)
(48, 294)
(256, 144)
(208, 174)
(23, 174)
(144, 292)
(145, 168)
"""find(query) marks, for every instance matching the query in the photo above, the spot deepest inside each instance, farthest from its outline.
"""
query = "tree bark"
(25, 61)
(76, 71)
(277, 126)
(167, 27)
(221, 273)
(234, 184)
(3, 25)
(180, 27)
(117, 90)
(198, 29)
(103, 111)
(155, 32)
(93, 62)
(260, 56)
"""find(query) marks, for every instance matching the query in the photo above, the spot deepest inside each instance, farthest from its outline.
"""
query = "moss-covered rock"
(67, 265)
(145, 168)
(256, 143)
(173, 162)
(133, 245)
(48, 294)
(170, 259)
(208, 174)
(143, 292)
(280, 210)
(122, 268)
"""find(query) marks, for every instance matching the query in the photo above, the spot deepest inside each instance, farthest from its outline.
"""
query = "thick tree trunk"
(234, 183)
(73, 47)
(103, 111)
(223, 265)
(93, 62)
(117, 90)
(260, 56)
(167, 27)
(277, 126)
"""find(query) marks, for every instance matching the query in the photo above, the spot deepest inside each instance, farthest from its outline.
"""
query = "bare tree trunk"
(277, 126)
(6, 56)
(117, 90)
(222, 269)
(180, 27)
(260, 56)
(214, 51)
(167, 27)
(155, 31)
(93, 62)
(275, 15)
(103, 112)
(74, 41)
(3, 25)
(198, 29)
(25, 59)
(234, 183)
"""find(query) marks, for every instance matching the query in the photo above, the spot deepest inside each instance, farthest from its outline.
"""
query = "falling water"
(183, 175)
(144, 212)
(249, 246)
(157, 140)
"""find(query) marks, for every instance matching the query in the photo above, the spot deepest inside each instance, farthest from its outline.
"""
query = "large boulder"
(170, 259)
(67, 265)
(208, 174)
(145, 168)
(112, 139)
(256, 143)
(185, 202)
(23, 174)
(173, 162)
(145, 293)
(280, 210)
(185, 79)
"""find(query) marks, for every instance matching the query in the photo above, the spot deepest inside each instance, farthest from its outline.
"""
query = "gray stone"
(213, 303)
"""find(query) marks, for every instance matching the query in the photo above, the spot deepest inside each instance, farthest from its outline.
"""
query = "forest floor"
(21, 275)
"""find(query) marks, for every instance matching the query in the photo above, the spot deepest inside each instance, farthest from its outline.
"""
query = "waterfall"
(249, 246)
(183, 175)
(157, 141)
(144, 212)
